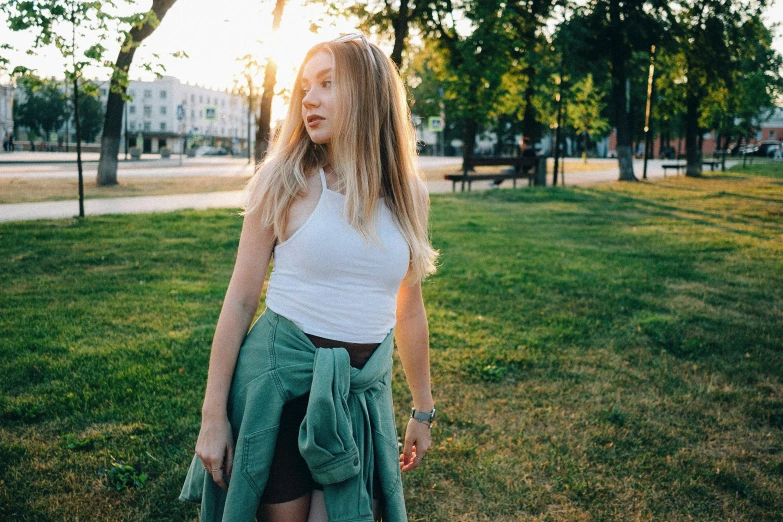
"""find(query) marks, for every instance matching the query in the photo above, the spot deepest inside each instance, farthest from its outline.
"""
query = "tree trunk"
(622, 121)
(400, 24)
(112, 123)
(270, 78)
(469, 136)
(529, 123)
(692, 152)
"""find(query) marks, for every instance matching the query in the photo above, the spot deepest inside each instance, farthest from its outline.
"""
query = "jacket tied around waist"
(348, 433)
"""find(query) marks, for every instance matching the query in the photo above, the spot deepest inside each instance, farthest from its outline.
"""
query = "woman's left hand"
(418, 439)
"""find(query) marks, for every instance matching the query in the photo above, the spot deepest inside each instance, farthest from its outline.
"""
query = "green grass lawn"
(603, 353)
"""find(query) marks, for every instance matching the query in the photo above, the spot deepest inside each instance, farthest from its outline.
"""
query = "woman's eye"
(327, 84)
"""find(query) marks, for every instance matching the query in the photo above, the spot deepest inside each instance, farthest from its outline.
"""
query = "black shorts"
(289, 476)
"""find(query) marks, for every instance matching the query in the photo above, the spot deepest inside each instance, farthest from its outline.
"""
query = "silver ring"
(418, 458)
(212, 470)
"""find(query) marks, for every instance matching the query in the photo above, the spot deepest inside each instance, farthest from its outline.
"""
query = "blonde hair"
(372, 148)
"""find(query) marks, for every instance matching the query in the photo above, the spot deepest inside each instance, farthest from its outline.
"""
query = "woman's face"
(319, 104)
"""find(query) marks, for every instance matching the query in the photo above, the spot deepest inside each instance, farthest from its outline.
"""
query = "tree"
(245, 84)
(585, 109)
(142, 26)
(607, 34)
(270, 79)
(90, 112)
(728, 67)
(43, 108)
(392, 20)
(64, 25)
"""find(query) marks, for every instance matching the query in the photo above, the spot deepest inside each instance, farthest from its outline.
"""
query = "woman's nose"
(310, 100)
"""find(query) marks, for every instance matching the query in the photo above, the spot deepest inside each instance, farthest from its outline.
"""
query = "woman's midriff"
(289, 476)
(359, 353)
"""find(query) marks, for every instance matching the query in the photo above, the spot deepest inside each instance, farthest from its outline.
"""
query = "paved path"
(232, 199)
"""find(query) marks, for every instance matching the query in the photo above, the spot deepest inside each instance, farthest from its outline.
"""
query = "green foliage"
(73, 442)
(91, 112)
(586, 108)
(122, 476)
(43, 107)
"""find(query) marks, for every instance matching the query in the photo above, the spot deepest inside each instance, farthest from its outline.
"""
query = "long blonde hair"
(373, 150)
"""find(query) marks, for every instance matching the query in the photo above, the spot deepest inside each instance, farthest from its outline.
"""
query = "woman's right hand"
(215, 448)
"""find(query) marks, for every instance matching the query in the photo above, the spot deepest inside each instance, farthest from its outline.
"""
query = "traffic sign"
(435, 124)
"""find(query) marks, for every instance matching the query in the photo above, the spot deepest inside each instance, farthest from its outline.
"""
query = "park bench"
(677, 166)
(712, 163)
(521, 167)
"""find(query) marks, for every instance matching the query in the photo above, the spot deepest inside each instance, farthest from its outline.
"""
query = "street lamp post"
(647, 114)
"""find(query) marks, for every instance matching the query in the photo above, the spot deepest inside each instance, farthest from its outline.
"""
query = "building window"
(192, 114)
(192, 98)
(147, 111)
(162, 126)
(162, 95)
(148, 93)
(132, 92)
(132, 109)
(200, 99)
(163, 110)
(103, 91)
(147, 126)
(133, 125)
(772, 134)
(200, 113)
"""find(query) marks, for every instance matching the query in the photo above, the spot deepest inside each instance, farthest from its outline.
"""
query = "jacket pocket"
(257, 452)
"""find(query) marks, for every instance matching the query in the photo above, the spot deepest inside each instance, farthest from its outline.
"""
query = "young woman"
(297, 421)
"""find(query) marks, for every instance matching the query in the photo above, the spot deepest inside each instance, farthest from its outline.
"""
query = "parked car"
(768, 148)
(211, 151)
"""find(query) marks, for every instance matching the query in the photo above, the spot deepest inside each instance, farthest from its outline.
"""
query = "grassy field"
(604, 353)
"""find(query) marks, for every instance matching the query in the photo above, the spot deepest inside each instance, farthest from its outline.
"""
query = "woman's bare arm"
(412, 336)
(215, 443)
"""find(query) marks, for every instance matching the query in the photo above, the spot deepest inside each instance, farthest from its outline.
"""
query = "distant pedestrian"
(297, 420)
(11, 145)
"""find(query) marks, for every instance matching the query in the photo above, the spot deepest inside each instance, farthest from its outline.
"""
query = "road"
(218, 166)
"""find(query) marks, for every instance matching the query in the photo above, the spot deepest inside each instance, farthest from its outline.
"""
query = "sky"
(214, 34)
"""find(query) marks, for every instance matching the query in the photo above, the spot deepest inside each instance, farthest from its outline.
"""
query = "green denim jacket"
(347, 433)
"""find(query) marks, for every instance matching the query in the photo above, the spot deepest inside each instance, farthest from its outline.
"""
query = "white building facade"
(6, 113)
(168, 113)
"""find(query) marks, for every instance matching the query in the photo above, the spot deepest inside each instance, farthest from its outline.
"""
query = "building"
(6, 112)
(168, 113)
(769, 127)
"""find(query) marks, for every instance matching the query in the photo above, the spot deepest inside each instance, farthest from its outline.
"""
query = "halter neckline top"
(333, 282)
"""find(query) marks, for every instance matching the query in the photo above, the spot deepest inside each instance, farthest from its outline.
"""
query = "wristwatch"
(423, 416)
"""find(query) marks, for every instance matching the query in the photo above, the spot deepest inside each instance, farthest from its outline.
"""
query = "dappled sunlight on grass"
(610, 352)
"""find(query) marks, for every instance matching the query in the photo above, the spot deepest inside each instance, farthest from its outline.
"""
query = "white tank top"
(332, 282)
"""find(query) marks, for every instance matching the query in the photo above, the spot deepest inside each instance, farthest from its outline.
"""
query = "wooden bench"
(712, 163)
(677, 166)
(521, 168)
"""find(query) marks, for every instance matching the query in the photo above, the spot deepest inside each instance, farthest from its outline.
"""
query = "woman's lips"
(314, 121)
